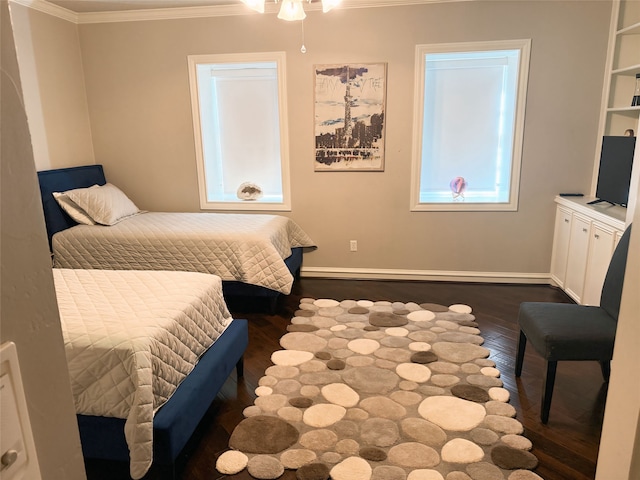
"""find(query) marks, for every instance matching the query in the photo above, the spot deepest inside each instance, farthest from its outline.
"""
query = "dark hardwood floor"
(566, 447)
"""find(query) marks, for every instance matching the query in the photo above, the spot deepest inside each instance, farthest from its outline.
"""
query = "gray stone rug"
(367, 390)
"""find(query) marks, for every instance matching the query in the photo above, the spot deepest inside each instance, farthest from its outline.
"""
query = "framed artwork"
(349, 117)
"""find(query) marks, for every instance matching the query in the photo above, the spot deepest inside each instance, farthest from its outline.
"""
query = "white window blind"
(467, 151)
(240, 132)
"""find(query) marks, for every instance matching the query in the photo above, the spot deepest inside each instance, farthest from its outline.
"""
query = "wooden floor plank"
(566, 447)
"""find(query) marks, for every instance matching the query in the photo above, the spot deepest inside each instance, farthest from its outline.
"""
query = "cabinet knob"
(9, 458)
(597, 236)
(566, 220)
(584, 230)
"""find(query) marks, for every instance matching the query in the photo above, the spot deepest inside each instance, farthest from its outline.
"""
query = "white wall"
(29, 315)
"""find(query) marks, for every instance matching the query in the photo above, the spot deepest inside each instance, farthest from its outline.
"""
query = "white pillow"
(72, 209)
(106, 204)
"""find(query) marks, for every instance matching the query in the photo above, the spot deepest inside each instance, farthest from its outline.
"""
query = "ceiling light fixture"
(290, 10)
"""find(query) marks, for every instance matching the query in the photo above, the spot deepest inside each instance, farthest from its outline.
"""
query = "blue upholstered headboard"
(60, 180)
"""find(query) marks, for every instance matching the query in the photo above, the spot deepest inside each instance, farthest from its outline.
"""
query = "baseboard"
(450, 276)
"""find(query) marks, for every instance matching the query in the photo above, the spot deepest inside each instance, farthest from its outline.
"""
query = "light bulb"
(291, 10)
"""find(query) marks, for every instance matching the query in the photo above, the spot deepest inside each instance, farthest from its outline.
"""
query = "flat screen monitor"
(614, 175)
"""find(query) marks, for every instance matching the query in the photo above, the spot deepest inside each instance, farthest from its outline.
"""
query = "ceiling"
(96, 6)
(92, 6)
(98, 11)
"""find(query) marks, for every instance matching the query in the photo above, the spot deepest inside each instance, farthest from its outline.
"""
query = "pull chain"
(303, 49)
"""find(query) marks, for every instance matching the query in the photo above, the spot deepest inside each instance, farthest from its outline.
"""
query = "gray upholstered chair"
(565, 331)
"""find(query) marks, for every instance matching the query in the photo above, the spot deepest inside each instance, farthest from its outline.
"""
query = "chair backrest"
(612, 288)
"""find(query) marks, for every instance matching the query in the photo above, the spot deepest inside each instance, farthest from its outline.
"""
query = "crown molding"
(195, 12)
(164, 14)
(49, 9)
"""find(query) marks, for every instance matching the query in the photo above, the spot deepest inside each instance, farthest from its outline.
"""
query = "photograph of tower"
(349, 117)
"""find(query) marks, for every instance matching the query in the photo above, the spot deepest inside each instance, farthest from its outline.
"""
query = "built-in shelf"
(617, 115)
(630, 30)
(631, 110)
(630, 70)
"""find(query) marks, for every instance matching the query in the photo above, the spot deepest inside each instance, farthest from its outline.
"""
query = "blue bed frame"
(174, 423)
(84, 176)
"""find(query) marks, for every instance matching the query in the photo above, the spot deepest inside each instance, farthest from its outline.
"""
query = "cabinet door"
(577, 257)
(600, 252)
(616, 239)
(561, 236)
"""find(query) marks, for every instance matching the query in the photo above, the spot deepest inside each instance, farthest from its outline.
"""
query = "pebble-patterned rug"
(367, 390)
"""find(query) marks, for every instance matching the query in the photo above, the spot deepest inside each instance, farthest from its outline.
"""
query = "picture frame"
(349, 117)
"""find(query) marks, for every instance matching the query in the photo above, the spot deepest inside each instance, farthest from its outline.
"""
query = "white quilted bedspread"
(131, 337)
(242, 247)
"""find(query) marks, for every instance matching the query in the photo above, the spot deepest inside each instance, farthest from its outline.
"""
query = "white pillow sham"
(106, 204)
(72, 209)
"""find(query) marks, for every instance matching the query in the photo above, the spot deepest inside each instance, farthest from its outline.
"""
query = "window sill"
(246, 205)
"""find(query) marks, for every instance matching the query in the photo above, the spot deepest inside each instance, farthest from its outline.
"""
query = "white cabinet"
(561, 236)
(577, 256)
(583, 243)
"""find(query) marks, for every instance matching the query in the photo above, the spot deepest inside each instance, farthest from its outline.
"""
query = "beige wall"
(29, 313)
(138, 94)
(55, 98)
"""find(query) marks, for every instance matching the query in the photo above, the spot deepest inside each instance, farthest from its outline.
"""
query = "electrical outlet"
(353, 245)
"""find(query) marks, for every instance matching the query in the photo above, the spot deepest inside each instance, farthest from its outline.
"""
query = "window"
(468, 122)
(239, 111)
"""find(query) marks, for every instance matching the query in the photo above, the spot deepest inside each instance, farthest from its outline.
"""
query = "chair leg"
(522, 344)
(548, 390)
(605, 366)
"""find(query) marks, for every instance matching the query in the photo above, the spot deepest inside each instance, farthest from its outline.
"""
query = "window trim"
(261, 205)
(524, 45)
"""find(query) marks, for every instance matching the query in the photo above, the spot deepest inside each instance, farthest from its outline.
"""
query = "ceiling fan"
(290, 10)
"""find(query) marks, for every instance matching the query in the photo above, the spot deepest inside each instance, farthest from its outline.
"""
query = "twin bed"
(147, 353)
(255, 255)
(148, 336)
